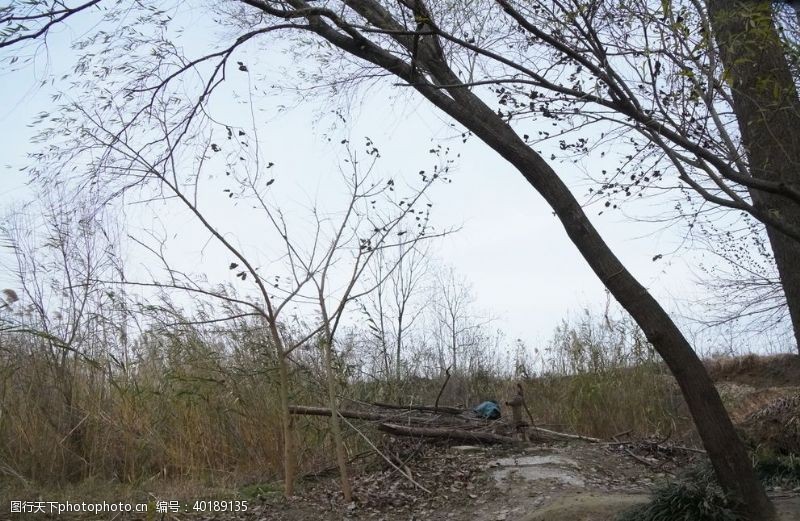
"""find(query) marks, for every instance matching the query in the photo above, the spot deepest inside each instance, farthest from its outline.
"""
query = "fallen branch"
(315, 474)
(620, 443)
(449, 431)
(426, 408)
(323, 411)
(565, 436)
(623, 433)
(653, 464)
(640, 459)
(687, 449)
(450, 434)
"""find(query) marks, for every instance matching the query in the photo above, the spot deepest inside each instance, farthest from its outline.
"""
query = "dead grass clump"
(756, 370)
(776, 426)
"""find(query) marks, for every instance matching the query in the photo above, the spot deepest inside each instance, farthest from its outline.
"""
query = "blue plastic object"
(489, 410)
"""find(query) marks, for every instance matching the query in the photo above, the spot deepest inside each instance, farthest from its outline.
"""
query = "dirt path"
(560, 482)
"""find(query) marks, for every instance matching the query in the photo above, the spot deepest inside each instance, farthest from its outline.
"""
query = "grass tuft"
(779, 470)
(694, 496)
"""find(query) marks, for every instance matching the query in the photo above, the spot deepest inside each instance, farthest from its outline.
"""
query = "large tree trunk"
(725, 449)
(767, 108)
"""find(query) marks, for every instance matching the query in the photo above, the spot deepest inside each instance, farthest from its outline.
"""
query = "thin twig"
(389, 461)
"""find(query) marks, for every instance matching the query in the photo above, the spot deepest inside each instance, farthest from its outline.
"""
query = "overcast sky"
(523, 269)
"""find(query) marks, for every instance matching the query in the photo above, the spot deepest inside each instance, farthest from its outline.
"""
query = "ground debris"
(381, 492)
(555, 481)
(661, 455)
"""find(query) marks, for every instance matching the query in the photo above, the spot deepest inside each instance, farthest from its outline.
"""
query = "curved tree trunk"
(767, 108)
(442, 87)
(725, 449)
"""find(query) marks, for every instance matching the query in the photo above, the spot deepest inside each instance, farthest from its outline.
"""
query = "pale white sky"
(524, 270)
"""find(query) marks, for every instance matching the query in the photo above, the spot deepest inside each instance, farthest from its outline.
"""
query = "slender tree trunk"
(336, 429)
(767, 108)
(454, 344)
(289, 463)
(399, 347)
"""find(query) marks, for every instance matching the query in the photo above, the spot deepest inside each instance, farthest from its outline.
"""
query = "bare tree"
(395, 307)
(321, 274)
(455, 325)
(60, 310)
(357, 240)
(409, 41)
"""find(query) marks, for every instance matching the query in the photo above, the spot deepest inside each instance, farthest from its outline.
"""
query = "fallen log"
(451, 434)
(324, 411)
(427, 408)
(449, 430)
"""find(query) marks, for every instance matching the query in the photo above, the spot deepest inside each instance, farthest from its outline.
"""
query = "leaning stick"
(525, 404)
(447, 379)
(389, 461)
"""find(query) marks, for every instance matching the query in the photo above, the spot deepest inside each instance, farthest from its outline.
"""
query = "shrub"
(779, 470)
(694, 496)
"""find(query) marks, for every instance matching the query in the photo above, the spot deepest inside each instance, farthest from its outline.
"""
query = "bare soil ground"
(574, 481)
(552, 482)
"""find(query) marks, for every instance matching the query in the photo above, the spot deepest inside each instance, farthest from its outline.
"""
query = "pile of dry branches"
(428, 421)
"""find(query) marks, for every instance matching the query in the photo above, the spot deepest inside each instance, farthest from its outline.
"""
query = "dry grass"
(181, 411)
(758, 371)
(640, 400)
(196, 411)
